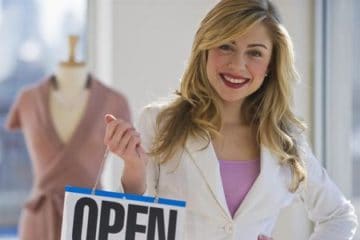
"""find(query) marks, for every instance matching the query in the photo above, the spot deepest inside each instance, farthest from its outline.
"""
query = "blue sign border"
(127, 196)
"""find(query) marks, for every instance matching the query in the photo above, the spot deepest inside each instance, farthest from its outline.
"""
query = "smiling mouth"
(234, 82)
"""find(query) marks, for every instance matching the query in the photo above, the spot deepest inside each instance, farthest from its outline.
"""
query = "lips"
(234, 81)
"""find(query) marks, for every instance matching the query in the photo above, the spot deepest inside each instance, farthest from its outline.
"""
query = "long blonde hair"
(195, 111)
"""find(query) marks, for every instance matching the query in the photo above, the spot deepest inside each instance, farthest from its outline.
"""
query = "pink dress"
(55, 163)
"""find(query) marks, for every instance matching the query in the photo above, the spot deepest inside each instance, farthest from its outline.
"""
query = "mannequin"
(61, 118)
(69, 96)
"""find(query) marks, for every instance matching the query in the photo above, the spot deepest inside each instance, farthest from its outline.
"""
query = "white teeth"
(234, 80)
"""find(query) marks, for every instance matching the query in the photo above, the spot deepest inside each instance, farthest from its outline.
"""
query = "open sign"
(109, 215)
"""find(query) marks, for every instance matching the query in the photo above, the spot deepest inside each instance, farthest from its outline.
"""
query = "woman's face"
(237, 69)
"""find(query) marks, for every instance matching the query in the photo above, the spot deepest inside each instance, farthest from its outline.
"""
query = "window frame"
(332, 113)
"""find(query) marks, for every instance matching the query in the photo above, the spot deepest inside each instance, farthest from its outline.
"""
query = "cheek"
(214, 62)
(258, 69)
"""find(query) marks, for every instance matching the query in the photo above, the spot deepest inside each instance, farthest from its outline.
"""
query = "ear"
(268, 73)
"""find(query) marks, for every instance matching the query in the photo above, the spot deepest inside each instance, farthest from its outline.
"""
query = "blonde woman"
(229, 143)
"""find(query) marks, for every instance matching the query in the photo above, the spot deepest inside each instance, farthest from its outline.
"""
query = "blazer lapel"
(203, 156)
(269, 188)
(268, 192)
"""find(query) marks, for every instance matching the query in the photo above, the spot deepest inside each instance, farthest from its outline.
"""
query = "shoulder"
(314, 170)
(26, 93)
(147, 121)
(153, 109)
(303, 146)
(24, 103)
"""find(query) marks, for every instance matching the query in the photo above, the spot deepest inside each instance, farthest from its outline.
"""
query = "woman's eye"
(225, 47)
(255, 53)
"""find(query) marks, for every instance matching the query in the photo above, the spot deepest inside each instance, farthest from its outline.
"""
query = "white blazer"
(194, 176)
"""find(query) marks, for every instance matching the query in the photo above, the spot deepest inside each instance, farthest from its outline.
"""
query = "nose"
(237, 62)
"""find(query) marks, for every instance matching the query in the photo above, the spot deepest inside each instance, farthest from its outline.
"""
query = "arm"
(332, 213)
(124, 141)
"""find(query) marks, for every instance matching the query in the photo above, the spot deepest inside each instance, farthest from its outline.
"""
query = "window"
(33, 37)
(338, 120)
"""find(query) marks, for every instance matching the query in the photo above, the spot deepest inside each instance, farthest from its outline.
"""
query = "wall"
(152, 45)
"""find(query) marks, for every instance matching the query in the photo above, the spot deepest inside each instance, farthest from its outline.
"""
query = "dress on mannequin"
(68, 97)
(65, 145)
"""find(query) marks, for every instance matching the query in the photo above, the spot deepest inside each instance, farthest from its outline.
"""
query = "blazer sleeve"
(146, 126)
(13, 119)
(332, 213)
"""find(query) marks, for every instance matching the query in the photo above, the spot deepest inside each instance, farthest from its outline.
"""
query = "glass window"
(355, 139)
(33, 39)
(342, 100)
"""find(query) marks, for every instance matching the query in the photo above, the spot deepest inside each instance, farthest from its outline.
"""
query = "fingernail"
(109, 118)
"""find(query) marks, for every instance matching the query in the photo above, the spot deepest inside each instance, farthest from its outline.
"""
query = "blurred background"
(140, 47)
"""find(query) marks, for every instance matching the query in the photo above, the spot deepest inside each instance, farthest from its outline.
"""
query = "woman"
(229, 144)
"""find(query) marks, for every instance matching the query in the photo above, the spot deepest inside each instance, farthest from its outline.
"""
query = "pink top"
(237, 178)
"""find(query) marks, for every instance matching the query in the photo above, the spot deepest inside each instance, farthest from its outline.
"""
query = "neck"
(231, 114)
(71, 79)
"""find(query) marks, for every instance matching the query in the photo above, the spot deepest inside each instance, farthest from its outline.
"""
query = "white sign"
(110, 215)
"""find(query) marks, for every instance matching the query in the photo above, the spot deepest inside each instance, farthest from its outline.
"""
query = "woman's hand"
(123, 140)
(262, 237)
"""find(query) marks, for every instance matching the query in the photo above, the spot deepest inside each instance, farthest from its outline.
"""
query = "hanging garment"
(56, 163)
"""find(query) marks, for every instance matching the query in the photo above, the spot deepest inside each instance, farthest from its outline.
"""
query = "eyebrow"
(253, 45)
(257, 45)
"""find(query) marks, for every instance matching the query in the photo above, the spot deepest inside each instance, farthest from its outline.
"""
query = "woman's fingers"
(134, 141)
(121, 137)
(115, 128)
(110, 131)
(124, 139)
